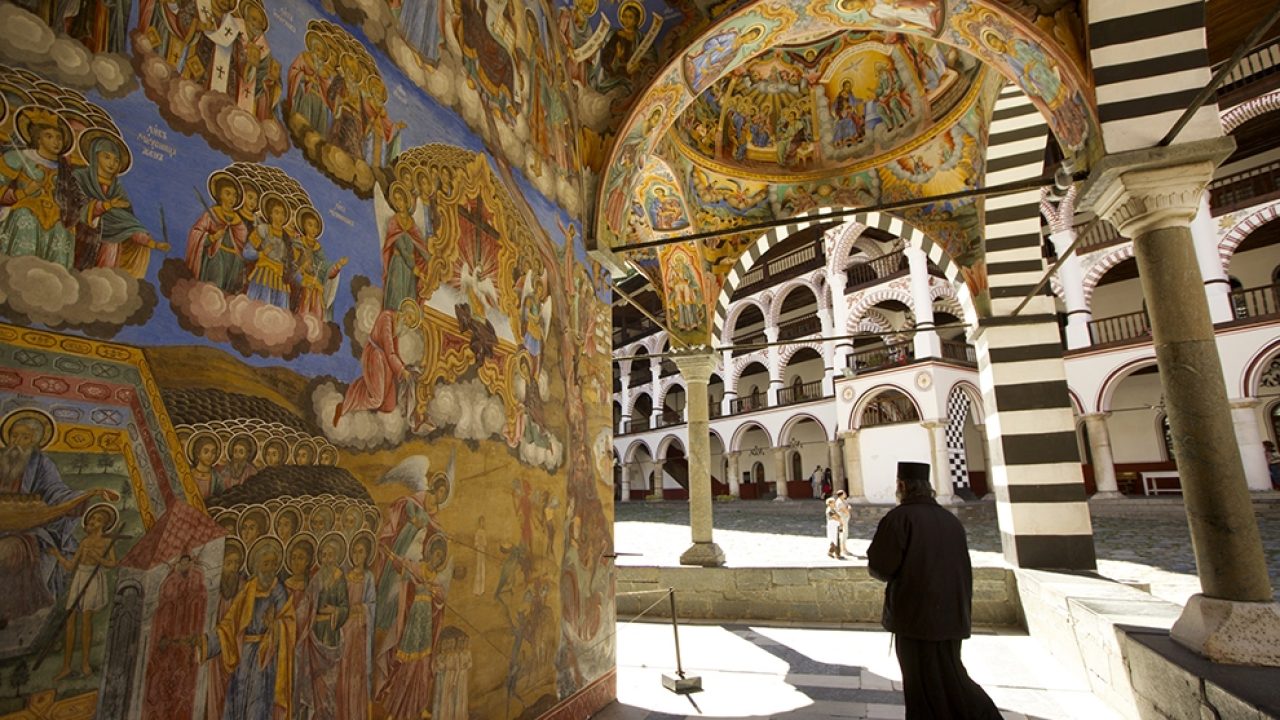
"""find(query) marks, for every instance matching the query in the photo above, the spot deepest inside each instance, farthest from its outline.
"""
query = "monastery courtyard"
(803, 671)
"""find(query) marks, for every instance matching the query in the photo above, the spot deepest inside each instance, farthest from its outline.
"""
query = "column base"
(1107, 496)
(782, 498)
(705, 554)
(950, 500)
(860, 500)
(1230, 631)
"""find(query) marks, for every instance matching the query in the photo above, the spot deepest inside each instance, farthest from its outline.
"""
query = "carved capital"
(696, 367)
(1140, 201)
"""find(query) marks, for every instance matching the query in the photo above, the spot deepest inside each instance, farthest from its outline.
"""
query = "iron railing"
(1121, 328)
(880, 357)
(800, 392)
(873, 271)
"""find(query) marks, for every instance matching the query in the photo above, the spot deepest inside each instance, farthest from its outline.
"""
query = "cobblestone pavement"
(794, 673)
(1137, 541)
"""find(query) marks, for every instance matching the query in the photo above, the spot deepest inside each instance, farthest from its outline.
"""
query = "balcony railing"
(750, 403)
(1256, 302)
(638, 425)
(799, 327)
(631, 332)
(714, 410)
(872, 271)
(800, 392)
(1121, 328)
(1245, 188)
(753, 339)
(959, 352)
(793, 264)
(1261, 62)
(881, 357)
(668, 418)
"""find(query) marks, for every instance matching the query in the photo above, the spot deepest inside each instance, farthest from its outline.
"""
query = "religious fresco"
(825, 106)
(686, 292)
(78, 49)
(304, 382)
(661, 201)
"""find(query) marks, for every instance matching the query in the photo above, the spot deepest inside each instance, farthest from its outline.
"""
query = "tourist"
(826, 484)
(920, 550)
(833, 530)
(1273, 463)
(815, 480)
(844, 510)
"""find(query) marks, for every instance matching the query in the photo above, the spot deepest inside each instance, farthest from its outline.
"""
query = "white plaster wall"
(881, 449)
(1116, 298)
(807, 370)
(1253, 268)
(1133, 424)
(975, 455)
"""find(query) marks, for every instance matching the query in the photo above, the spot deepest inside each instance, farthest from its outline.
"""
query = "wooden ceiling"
(1229, 22)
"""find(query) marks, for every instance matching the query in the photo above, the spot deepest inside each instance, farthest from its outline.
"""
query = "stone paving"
(791, 673)
(1145, 543)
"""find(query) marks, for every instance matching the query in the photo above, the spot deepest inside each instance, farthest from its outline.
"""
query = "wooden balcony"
(1259, 302)
(793, 264)
(882, 357)
(1120, 329)
(959, 352)
(1245, 188)
(635, 426)
(800, 392)
(800, 327)
(750, 403)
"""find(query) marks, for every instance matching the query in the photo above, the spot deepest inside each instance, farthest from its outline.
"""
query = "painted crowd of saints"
(321, 565)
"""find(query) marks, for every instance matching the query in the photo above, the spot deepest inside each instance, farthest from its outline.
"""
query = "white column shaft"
(927, 343)
(1072, 278)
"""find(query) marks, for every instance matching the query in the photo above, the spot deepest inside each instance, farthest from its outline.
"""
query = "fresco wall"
(302, 382)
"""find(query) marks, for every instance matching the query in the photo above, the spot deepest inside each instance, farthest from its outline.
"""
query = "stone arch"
(779, 298)
(974, 395)
(841, 245)
(1245, 227)
(631, 406)
(891, 224)
(741, 432)
(1113, 379)
(735, 311)
(784, 435)
(665, 444)
(740, 363)
(875, 297)
(1258, 366)
(630, 455)
(789, 351)
(667, 386)
(1100, 268)
(855, 417)
(1246, 111)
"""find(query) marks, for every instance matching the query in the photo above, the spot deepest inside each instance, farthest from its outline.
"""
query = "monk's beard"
(13, 463)
(237, 468)
(230, 584)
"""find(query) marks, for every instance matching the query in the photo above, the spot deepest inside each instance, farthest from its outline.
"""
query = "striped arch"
(658, 342)
(875, 297)
(775, 309)
(1241, 230)
(949, 305)
(975, 397)
(631, 405)
(665, 388)
(1149, 61)
(743, 429)
(740, 363)
(630, 455)
(871, 324)
(1246, 111)
(784, 435)
(841, 243)
(735, 310)
(1256, 368)
(789, 351)
(881, 221)
(1100, 268)
(664, 445)
(1108, 390)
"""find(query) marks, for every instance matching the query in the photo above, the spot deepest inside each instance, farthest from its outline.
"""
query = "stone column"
(828, 353)
(1104, 464)
(780, 474)
(1152, 196)
(655, 493)
(835, 455)
(655, 388)
(735, 475)
(1245, 416)
(853, 466)
(927, 342)
(696, 370)
(774, 354)
(1217, 288)
(943, 490)
(1062, 233)
(837, 281)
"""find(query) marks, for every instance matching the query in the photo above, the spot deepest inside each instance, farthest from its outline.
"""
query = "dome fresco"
(843, 103)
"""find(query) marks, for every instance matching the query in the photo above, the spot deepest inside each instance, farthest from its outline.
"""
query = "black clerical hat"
(913, 471)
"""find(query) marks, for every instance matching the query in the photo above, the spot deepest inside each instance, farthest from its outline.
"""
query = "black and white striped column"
(1040, 497)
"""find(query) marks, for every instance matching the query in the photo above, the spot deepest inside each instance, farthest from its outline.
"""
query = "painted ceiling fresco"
(826, 108)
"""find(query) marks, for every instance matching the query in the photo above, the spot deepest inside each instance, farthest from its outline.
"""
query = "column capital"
(1154, 188)
(851, 434)
(696, 366)
(934, 424)
(1244, 403)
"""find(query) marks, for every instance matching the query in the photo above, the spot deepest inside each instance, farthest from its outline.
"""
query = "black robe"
(921, 551)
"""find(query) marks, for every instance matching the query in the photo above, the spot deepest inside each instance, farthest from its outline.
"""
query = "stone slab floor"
(791, 673)
(1145, 544)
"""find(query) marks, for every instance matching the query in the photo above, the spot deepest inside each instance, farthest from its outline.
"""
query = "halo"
(372, 518)
(302, 538)
(269, 442)
(260, 510)
(40, 416)
(331, 452)
(261, 545)
(399, 186)
(987, 35)
(88, 137)
(228, 541)
(290, 510)
(307, 443)
(33, 114)
(222, 177)
(197, 436)
(410, 314)
(631, 4)
(419, 175)
(306, 210)
(253, 445)
(101, 507)
(270, 196)
(334, 537)
(436, 540)
(231, 517)
(315, 511)
(373, 546)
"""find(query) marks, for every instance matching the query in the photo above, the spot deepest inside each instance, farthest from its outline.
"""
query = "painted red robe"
(171, 665)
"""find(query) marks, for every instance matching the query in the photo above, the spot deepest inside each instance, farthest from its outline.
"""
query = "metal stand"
(679, 683)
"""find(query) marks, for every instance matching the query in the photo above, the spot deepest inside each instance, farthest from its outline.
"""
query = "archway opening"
(754, 447)
(802, 377)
